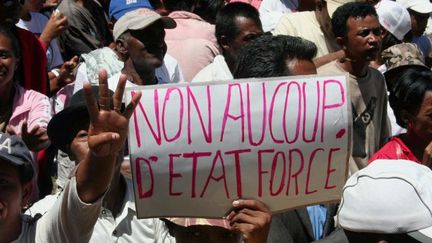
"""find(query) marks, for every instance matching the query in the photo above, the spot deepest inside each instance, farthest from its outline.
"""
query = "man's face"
(247, 31)
(9, 13)
(13, 194)
(363, 40)
(147, 47)
(418, 22)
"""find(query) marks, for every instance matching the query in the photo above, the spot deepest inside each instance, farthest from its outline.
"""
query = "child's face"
(13, 195)
(8, 61)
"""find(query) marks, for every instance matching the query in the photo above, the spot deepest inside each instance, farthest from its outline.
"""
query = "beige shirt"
(304, 24)
(69, 220)
(371, 127)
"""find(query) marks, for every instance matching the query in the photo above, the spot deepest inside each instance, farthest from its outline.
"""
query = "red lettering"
(249, 119)
(227, 109)
(238, 168)
(309, 171)
(167, 97)
(191, 99)
(156, 136)
(297, 173)
(173, 175)
(148, 174)
(297, 131)
(260, 169)
(315, 129)
(195, 156)
(219, 158)
(273, 172)
(330, 106)
(330, 170)
(272, 104)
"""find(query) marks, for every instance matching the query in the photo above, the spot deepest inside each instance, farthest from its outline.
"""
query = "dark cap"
(14, 150)
(64, 125)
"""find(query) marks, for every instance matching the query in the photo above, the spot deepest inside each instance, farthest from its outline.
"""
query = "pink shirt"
(192, 43)
(394, 149)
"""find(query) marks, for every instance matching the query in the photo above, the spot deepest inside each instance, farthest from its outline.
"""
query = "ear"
(27, 189)
(224, 43)
(405, 117)
(121, 47)
(341, 42)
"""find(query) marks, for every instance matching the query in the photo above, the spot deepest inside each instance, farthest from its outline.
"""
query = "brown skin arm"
(252, 219)
(106, 137)
(321, 61)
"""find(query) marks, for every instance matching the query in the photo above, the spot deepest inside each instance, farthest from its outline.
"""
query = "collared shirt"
(126, 227)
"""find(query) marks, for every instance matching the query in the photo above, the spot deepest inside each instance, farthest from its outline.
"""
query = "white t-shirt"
(272, 10)
(169, 72)
(215, 71)
(36, 25)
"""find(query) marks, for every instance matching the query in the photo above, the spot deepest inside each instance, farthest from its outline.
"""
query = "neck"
(6, 94)
(416, 146)
(231, 61)
(139, 77)
(25, 15)
(354, 67)
(114, 197)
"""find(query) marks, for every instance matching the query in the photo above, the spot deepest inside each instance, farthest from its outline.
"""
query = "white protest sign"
(196, 148)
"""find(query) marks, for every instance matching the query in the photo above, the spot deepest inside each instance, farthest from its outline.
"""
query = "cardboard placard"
(196, 148)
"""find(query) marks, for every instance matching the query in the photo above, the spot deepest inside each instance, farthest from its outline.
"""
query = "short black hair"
(343, 13)
(408, 92)
(179, 5)
(266, 56)
(208, 9)
(225, 19)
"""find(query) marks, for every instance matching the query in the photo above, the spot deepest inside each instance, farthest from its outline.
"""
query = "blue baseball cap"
(118, 8)
(14, 151)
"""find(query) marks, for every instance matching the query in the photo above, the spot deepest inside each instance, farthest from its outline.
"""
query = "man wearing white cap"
(388, 201)
(313, 25)
(140, 41)
(419, 11)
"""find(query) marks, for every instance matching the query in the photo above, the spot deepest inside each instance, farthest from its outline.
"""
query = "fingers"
(104, 98)
(132, 105)
(118, 95)
(251, 218)
(91, 102)
(102, 143)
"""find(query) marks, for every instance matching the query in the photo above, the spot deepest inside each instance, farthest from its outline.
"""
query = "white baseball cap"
(139, 19)
(394, 18)
(420, 6)
(390, 197)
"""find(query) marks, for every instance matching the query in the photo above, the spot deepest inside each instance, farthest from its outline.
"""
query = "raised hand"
(106, 138)
(55, 26)
(108, 126)
(252, 219)
(36, 139)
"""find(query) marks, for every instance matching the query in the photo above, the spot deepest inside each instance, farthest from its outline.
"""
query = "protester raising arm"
(107, 135)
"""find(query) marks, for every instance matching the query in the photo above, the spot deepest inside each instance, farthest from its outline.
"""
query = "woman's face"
(8, 61)
(420, 125)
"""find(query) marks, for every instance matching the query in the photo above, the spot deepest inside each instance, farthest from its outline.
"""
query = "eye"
(82, 134)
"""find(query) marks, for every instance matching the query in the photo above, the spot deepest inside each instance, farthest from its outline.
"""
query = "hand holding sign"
(252, 218)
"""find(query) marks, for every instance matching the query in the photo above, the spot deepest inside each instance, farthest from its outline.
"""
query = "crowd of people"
(64, 66)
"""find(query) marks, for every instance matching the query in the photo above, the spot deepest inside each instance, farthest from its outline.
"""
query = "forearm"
(93, 176)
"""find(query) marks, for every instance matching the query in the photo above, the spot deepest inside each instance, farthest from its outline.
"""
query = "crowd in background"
(64, 64)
